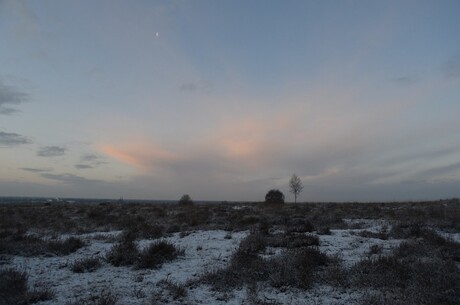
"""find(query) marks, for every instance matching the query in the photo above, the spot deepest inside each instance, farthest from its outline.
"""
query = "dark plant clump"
(415, 273)
(124, 253)
(178, 291)
(86, 265)
(158, 253)
(294, 268)
(14, 289)
(13, 286)
(185, 200)
(65, 247)
(299, 226)
(274, 196)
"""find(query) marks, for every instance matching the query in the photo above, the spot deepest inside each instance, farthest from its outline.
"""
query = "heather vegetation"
(364, 253)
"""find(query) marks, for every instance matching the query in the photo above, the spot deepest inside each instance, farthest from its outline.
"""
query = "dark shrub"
(324, 231)
(29, 245)
(40, 295)
(299, 225)
(14, 290)
(244, 267)
(158, 253)
(375, 249)
(86, 265)
(369, 234)
(124, 253)
(295, 267)
(408, 282)
(178, 291)
(13, 286)
(430, 245)
(381, 272)
(253, 243)
(65, 247)
(291, 241)
(144, 230)
(300, 241)
(17, 243)
(404, 230)
(274, 196)
(185, 200)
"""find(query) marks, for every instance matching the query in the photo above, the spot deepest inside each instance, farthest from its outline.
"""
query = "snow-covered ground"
(204, 250)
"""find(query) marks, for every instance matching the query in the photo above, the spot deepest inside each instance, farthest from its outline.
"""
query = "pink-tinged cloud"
(144, 157)
(250, 140)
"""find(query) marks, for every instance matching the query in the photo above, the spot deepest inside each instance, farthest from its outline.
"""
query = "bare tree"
(295, 186)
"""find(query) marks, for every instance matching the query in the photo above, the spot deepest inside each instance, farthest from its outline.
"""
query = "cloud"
(51, 151)
(435, 172)
(69, 178)
(451, 68)
(10, 97)
(36, 170)
(421, 156)
(141, 154)
(12, 139)
(83, 166)
(90, 161)
(90, 158)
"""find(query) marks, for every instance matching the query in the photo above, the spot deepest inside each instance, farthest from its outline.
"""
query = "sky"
(225, 100)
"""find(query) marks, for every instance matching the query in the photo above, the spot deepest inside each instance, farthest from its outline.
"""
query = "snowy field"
(178, 281)
(204, 250)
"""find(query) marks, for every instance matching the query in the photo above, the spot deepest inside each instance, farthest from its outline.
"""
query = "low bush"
(65, 247)
(18, 243)
(292, 241)
(368, 234)
(30, 245)
(375, 249)
(158, 253)
(89, 264)
(124, 253)
(40, 295)
(324, 231)
(294, 268)
(299, 226)
(384, 271)
(407, 230)
(430, 245)
(177, 291)
(253, 243)
(411, 274)
(14, 289)
(13, 286)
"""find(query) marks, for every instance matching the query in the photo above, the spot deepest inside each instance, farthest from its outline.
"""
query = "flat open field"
(252, 253)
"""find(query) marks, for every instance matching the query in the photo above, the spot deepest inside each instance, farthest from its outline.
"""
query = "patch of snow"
(130, 285)
(352, 248)
(204, 250)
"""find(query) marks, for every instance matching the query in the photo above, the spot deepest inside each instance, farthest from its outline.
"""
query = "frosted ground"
(205, 250)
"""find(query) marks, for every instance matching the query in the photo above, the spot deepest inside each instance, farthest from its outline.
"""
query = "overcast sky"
(225, 100)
